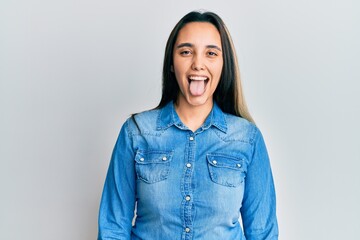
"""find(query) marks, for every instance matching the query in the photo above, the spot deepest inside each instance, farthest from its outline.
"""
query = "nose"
(198, 63)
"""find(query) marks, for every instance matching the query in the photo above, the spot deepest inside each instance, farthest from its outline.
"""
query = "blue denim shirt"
(188, 185)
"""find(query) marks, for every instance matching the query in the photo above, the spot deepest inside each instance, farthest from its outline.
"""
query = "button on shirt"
(188, 185)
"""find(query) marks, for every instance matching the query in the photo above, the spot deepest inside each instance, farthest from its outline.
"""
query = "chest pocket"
(152, 166)
(226, 170)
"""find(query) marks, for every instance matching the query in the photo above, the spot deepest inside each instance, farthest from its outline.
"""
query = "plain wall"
(72, 71)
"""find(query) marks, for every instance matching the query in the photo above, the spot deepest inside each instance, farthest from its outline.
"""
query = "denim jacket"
(188, 185)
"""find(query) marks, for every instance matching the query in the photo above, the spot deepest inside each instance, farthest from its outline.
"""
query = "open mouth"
(197, 78)
(197, 84)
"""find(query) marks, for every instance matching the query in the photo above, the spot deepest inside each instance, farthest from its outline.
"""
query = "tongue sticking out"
(197, 88)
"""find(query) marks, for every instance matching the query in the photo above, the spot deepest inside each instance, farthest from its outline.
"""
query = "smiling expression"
(198, 63)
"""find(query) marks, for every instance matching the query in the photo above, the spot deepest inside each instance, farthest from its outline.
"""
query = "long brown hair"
(228, 94)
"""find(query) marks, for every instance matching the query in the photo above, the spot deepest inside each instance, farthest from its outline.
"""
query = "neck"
(192, 116)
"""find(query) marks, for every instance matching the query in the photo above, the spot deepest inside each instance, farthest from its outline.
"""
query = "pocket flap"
(226, 161)
(153, 156)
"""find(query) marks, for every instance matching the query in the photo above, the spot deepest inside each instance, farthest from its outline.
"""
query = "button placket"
(187, 203)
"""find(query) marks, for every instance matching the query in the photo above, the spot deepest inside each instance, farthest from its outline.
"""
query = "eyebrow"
(192, 45)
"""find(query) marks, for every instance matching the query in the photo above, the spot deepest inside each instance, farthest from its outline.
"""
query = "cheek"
(217, 73)
(178, 67)
(177, 71)
(179, 78)
(180, 71)
(218, 69)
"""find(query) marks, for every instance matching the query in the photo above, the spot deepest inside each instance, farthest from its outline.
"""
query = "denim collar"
(168, 117)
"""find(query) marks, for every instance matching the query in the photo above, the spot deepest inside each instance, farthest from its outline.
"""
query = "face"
(198, 63)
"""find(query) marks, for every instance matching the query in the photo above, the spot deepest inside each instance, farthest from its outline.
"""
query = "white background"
(72, 71)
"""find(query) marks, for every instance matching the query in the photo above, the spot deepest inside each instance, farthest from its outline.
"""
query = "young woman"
(196, 165)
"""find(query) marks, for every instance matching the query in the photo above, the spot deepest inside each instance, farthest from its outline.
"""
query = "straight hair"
(228, 94)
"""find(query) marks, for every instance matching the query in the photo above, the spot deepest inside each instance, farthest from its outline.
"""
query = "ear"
(172, 68)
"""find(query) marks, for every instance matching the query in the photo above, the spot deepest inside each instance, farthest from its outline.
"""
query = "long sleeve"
(118, 197)
(259, 204)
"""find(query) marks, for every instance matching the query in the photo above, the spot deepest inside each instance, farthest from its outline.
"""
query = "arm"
(258, 210)
(118, 198)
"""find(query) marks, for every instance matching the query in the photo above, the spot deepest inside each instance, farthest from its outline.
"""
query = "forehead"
(199, 33)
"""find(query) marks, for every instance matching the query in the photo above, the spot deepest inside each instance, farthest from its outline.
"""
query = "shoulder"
(240, 129)
(143, 122)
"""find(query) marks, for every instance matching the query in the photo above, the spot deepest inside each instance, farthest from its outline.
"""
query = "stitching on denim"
(231, 139)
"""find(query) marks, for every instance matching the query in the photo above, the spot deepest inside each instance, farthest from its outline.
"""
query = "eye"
(212, 54)
(185, 52)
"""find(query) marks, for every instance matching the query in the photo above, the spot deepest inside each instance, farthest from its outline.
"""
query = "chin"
(198, 101)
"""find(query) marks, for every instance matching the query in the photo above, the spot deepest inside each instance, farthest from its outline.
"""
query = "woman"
(197, 163)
